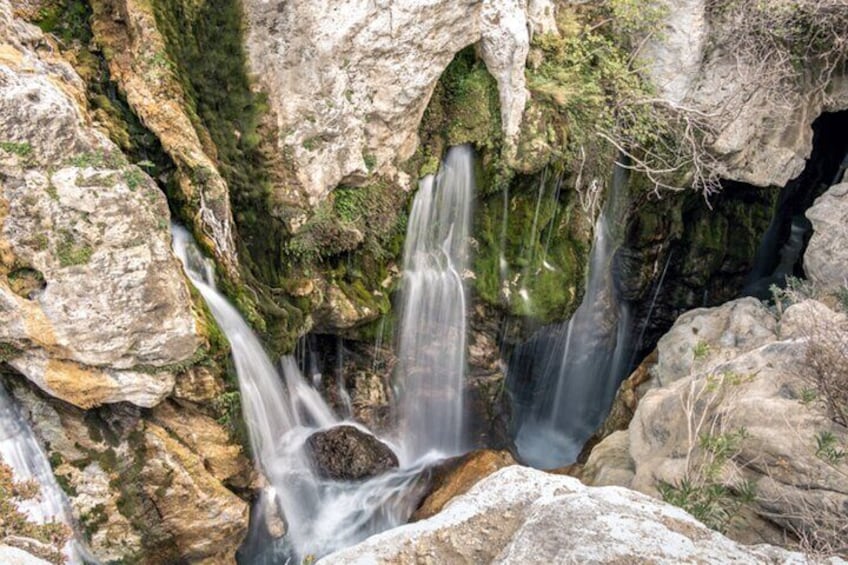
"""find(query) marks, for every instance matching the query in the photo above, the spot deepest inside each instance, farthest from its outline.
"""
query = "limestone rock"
(205, 520)
(705, 337)
(520, 515)
(14, 556)
(103, 308)
(349, 81)
(127, 31)
(347, 453)
(456, 476)
(762, 127)
(146, 485)
(753, 386)
(826, 258)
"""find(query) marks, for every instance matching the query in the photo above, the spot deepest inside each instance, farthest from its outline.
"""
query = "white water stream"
(20, 450)
(432, 334)
(576, 366)
(281, 410)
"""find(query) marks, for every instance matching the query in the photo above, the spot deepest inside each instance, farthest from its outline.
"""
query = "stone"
(762, 132)
(826, 257)
(144, 487)
(521, 515)
(127, 32)
(456, 476)
(753, 385)
(111, 311)
(346, 453)
(349, 81)
(14, 556)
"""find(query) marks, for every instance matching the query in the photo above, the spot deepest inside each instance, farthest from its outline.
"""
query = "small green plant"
(828, 449)
(20, 149)
(370, 161)
(701, 350)
(72, 253)
(134, 177)
(808, 395)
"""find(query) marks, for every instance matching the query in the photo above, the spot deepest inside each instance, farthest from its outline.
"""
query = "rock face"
(349, 81)
(93, 306)
(127, 31)
(346, 453)
(149, 487)
(456, 476)
(14, 556)
(734, 403)
(696, 63)
(520, 515)
(826, 258)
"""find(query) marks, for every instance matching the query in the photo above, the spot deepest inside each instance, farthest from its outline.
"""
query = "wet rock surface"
(346, 453)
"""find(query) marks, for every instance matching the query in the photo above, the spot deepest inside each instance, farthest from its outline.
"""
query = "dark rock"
(348, 453)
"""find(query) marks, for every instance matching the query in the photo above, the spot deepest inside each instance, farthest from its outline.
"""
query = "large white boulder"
(521, 515)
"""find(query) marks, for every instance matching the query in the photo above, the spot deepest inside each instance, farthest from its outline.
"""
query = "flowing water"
(21, 451)
(281, 410)
(432, 334)
(570, 371)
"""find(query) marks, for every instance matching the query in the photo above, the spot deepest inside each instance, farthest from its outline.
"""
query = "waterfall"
(281, 413)
(565, 377)
(432, 333)
(22, 453)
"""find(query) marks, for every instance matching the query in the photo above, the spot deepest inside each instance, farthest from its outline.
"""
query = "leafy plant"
(828, 449)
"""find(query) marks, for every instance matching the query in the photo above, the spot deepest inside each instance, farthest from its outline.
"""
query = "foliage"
(71, 252)
(827, 448)
(15, 523)
(15, 148)
(712, 489)
(587, 74)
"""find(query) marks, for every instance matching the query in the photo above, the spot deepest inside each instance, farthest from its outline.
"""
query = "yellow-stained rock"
(456, 476)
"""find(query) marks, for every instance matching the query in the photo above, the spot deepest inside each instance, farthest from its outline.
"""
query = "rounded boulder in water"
(347, 453)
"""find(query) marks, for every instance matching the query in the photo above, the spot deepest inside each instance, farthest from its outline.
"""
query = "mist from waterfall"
(432, 332)
(281, 413)
(20, 450)
(572, 370)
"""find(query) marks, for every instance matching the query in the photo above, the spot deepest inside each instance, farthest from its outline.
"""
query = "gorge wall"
(288, 137)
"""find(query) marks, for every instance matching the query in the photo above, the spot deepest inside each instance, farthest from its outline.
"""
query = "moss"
(531, 264)
(72, 252)
(15, 148)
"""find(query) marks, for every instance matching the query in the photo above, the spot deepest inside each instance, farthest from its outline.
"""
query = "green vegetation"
(531, 262)
(14, 523)
(71, 252)
(15, 148)
(828, 449)
(24, 281)
(704, 495)
(701, 350)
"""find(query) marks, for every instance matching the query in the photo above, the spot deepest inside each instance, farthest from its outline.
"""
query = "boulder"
(826, 258)
(456, 476)
(346, 453)
(741, 410)
(521, 515)
(94, 308)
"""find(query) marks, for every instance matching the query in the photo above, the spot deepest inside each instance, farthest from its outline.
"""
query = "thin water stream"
(575, 367)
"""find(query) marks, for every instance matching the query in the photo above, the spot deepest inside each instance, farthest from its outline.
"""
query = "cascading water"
(573, 369)
(22, 453)
(322, 515)
(432, 335)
